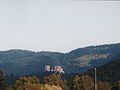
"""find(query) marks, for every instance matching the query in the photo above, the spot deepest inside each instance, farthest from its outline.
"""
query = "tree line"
(56, 82)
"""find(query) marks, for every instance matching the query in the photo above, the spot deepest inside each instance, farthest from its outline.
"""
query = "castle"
(49, 68)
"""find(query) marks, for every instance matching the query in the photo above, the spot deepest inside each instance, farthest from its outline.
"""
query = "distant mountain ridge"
(18, 61)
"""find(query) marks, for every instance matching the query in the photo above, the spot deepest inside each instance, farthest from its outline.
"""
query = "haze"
(58, 25)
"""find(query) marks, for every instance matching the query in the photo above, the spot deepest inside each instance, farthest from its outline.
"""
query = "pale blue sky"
(58, 25)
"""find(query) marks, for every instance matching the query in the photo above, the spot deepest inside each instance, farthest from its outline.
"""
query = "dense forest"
(24, 70)
(24, 62)
(108, 78)
(55, 82)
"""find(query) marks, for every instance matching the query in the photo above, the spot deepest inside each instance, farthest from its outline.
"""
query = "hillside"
(77, 61)
(83, 59)
(25, 62)
(108, 73)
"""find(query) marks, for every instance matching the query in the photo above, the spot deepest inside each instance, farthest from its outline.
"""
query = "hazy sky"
(58, 25)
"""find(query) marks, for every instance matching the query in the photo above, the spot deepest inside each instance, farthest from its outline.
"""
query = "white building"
(59, 69)
(47, 68)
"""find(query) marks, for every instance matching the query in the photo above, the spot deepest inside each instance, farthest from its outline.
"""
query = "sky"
(58, 25)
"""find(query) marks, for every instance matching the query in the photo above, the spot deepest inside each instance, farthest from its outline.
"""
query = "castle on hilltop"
(55, 69)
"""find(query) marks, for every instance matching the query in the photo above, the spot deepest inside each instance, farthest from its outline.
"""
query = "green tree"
(87, 82)
(83, 82)
(104, 86)
(117, 86)
(3, 83)
(77, 83)
(55, 79)
(10, 88)
(27, 82)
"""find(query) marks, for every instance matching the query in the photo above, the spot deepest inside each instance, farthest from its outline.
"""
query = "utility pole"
(95, 78)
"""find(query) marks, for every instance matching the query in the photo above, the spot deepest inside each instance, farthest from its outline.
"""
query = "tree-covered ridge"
(77, 61)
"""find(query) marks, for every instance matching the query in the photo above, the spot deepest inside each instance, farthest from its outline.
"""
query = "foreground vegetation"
(56, 82)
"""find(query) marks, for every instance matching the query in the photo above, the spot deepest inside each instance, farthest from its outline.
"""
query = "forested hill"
(76, 61)
(109, 72)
